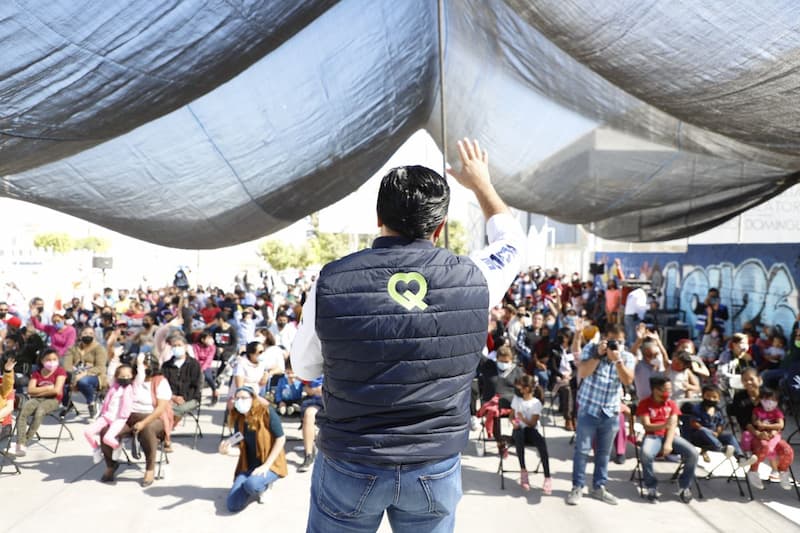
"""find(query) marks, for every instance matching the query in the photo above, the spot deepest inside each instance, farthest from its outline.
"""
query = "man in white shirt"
(635, 308)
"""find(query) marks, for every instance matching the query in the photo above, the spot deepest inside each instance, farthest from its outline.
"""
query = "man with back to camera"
(397, 330)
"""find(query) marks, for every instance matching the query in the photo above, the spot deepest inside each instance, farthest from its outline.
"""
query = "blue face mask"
(502, 366)
(59, 326)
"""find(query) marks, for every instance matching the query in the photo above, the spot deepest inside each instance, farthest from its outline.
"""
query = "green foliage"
(58, 242)
(93, 244)
(63, 242)
(280, 256)
(457, 235)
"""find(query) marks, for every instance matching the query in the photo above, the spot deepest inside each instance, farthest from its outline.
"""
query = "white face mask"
(502, 366)
(243, 405)
(179, 351)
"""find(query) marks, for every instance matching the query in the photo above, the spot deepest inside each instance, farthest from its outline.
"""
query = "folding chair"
(684, 420)
(501, 469)
(198, 431)
(161, 463)
(6, 457)
(60, 416)
(637, 474)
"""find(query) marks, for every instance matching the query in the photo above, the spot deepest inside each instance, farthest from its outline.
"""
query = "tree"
(58, 242)
(93, 244)
(279, 255)
(457, 234)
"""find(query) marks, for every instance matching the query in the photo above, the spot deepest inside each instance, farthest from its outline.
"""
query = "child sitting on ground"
(288, 392)
(525, 412)
(116, 409)
(767, 443)
(705, 425)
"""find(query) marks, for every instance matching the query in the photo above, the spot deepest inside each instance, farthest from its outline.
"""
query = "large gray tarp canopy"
(199, 124)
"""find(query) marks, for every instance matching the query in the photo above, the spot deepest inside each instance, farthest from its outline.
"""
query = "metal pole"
(443, 117)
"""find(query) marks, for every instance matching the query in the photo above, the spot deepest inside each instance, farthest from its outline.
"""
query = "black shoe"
(214, 400)
(620, 459)
(92, 410)
(308, 462)
(109, 478)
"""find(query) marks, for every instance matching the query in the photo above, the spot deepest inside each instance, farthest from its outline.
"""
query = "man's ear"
(438, 231)
(380, 222)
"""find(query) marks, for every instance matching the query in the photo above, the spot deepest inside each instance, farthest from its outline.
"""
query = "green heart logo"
(408, 299)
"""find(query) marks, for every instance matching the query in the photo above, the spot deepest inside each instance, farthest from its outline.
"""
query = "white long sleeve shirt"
(500, 262)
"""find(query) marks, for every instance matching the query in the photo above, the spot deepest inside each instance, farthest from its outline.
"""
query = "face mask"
(243, 405)
(2, 314)
(586, 295)
(502, 367)
(87, 339)
(124, 382)
(709, 403)
(40, 309)
(797, 343)
(179, 351)
(775, 351)
(51, 365)
(59, 326)
(550, 323)
(769, 405)
(763, 336)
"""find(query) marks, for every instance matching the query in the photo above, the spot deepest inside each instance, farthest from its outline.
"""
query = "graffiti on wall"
(760, 289)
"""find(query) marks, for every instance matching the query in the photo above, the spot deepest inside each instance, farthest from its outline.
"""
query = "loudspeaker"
(597, 269)
(102, 262)
(672, 334)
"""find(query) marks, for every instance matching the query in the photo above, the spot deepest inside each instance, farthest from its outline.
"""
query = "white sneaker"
(729, 451)
(475, 423)
(755, 479)
(97, 455)
(20, 450)
(744, 462)
(786, 483)
(116, 455)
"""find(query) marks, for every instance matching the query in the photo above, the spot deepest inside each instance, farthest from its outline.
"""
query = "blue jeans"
(704, 438)
(246, 487)
(652, 445)
(351, 497)
(211, 378)
(88, 386)
(544, 378)
(602, 429)
(630, 322)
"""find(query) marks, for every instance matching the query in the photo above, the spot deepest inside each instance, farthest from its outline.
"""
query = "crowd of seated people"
(239, 341)
(140, 361)
(546, 319)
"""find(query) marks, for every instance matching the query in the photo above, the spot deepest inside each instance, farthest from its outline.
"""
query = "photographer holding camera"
(710, 313)
(604, 367)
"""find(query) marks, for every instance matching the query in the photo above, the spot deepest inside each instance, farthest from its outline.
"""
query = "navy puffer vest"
(402, 326)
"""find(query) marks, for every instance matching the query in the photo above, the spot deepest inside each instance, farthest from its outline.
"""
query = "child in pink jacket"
(116, 409)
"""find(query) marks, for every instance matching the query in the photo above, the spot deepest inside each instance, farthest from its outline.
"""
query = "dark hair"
(614, 329)
(252, 347)
(46, 352)
(766, 392)
(269, 338)
(526, 380)
(657, 381)
(413, 201)
(710, 387)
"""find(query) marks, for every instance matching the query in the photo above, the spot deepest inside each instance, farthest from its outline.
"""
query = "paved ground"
(62, 492)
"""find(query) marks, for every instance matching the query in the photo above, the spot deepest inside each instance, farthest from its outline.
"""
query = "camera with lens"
(613, 345)
(713, 301)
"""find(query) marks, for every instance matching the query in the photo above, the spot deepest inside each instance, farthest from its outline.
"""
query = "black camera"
(612, 345)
